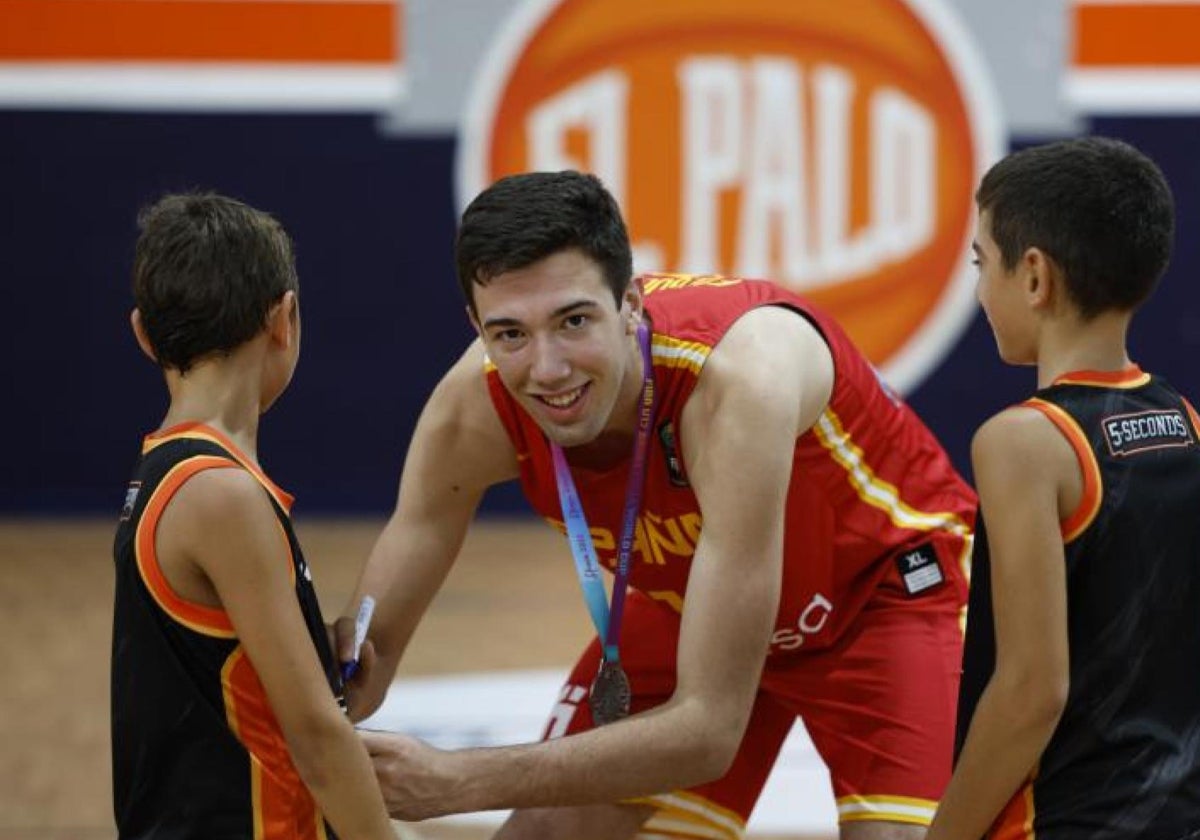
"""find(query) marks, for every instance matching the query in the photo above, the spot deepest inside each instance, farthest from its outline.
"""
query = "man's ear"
(139, 333)
(633, 303)
(474, 319)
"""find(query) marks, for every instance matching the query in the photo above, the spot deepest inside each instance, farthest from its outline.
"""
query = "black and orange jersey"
(197, 751)
(1124, 760)
(870, 488)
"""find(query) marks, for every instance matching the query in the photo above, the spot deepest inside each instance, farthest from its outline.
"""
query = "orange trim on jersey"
(210, 621)
(1089, 502)
(200, 431)
(1016, 820)
(1192, 414)
(1130, 377)
(1137, 34)
(278, 31)
(277, 792)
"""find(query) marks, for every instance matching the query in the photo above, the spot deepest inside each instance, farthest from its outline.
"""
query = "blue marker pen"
(361, 622)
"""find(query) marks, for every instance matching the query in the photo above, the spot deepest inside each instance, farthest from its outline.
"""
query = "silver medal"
(610, 693)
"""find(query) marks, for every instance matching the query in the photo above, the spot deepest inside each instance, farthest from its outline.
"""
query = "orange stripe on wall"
(1136, 35)
(199, 30)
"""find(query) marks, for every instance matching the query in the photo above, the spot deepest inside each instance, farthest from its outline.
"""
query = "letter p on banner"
(832, 147)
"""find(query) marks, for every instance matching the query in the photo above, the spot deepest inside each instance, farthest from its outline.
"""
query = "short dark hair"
(524, 218)
(206, 271)
(1098, 207)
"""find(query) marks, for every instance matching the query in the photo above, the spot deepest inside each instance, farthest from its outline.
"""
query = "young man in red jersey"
(792, 534)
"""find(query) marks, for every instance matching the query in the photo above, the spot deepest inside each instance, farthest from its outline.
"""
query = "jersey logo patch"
(919, 569)
(1129, 434)
(131, 494)
(666, 435)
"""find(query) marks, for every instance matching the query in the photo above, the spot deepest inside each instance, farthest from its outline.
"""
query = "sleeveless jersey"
(1124, 760)
(869, 482)
(197, 751)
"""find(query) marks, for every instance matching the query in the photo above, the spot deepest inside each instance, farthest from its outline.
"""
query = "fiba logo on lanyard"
(831, 146)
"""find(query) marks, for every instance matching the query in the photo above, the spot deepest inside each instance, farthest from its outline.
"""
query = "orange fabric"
(1016, 820)
(202, 432)
(1195, 417)
(1130, 377)
(1089, 503)
(1136, 35)
(199, 30)
(199, 617)
(283, 807)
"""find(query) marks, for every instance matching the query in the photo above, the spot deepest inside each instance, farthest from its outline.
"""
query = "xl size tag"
(919, 569)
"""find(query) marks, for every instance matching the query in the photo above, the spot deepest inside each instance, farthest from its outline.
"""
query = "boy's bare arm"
(1028, 480)
(222, 522)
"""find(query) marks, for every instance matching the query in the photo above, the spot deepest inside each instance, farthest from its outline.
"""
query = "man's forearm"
(660, 750)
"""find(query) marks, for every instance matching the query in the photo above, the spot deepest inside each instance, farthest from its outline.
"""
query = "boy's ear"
(139, 332)
(283, 320)
(1041, 277)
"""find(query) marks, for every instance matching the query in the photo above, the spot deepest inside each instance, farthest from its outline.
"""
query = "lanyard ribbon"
(608, 620)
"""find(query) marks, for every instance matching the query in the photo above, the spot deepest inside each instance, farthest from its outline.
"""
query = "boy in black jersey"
(225, 695)
(1079, 713)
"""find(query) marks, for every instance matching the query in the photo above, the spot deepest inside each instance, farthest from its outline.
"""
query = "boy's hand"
(342, 639)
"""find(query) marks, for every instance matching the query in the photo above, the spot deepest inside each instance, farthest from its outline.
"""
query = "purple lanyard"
(608, 621)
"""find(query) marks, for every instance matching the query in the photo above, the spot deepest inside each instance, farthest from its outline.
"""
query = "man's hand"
(412, 775)
(341, 638)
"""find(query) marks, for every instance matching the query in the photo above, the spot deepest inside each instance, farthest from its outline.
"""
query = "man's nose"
(550, 365)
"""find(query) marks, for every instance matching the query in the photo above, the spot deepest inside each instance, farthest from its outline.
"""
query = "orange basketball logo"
(833, 147)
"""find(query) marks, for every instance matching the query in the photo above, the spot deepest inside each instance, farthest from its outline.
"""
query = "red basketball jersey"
(871, 489)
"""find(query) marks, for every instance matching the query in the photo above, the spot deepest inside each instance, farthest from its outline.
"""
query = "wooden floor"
(511, 602)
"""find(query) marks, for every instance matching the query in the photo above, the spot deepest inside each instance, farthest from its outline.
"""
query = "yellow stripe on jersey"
(685, 815)
(905, 809)
(671, 352)
(875, 491)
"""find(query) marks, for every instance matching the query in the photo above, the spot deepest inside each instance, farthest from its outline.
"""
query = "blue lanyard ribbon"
(608, 620)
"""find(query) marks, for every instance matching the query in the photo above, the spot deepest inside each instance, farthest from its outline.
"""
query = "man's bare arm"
(740, 428)
(458, 450)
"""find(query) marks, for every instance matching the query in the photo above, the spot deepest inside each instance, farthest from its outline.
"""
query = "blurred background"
(833, 146)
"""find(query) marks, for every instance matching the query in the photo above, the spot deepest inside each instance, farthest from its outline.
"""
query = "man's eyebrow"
(586, 303)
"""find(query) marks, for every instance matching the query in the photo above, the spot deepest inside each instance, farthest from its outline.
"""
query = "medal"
(610, 694)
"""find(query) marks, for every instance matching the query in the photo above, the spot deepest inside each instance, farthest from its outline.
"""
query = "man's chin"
(568, 436)
(568, 440)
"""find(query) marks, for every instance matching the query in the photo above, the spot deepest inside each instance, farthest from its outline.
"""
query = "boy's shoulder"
(1022, 448)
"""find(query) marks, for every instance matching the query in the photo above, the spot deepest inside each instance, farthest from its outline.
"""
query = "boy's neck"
(218, 394)
(1071, 346)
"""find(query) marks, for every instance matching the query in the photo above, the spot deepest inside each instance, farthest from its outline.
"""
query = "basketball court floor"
(483, 669)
